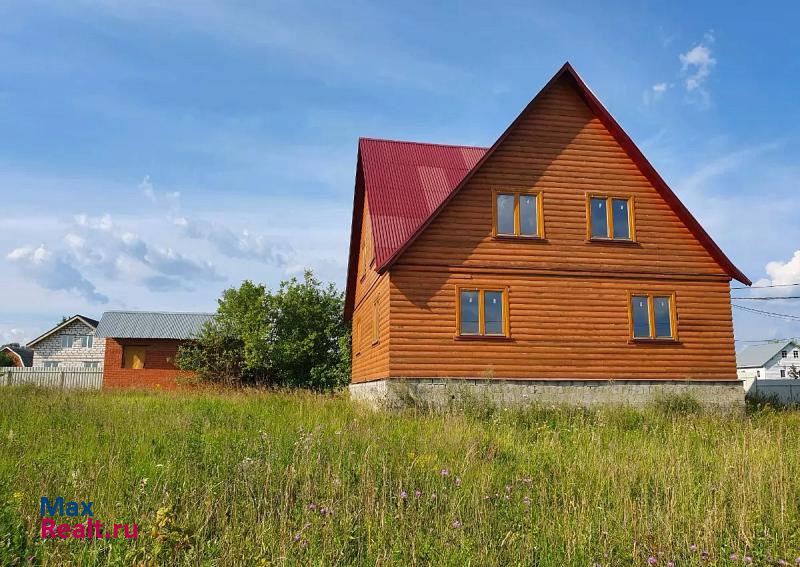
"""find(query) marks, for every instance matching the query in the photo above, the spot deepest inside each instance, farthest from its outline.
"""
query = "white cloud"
(697, 64)
(782, 273)
(243, 244)
(53, 271)
(655, 92)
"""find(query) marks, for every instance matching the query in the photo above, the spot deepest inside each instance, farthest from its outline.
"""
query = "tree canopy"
(294, 337)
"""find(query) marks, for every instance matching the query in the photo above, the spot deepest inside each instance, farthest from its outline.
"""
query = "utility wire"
(784, 316)
(767, 298)
(766, 286)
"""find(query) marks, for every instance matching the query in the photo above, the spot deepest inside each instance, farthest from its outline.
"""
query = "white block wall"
(50, 349)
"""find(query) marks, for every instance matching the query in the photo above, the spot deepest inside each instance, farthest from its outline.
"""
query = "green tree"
(294, 337)
(5, 359)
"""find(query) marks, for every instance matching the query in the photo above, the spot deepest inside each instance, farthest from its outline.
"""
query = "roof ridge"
(161, 312)
(437, 144)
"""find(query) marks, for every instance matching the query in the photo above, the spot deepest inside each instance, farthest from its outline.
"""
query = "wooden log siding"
(560, 328)
(562, 150)
(568, 298)
(370, 361)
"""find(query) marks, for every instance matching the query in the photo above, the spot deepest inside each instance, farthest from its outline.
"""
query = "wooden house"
(554, 266)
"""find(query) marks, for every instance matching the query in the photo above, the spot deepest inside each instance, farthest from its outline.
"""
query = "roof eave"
(359, 196)
(59, 327)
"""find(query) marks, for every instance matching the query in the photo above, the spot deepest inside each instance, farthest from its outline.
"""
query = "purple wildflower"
(527, 480)
(403, 495)
(797, 561)
(433, 496)
(456, 524)
(526, 501)
(693, 547)
(734, 557)
(652, 560)
(417, 493)
(670, 564)
(297, 537)
(704, 555)
(445, 472)
(508, 488)
(781, 562)
(748, 559)
(312, 506)
(458, 481)
(324, 511)
(304, 543)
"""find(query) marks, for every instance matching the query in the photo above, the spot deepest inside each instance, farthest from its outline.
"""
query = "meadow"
(272, 478)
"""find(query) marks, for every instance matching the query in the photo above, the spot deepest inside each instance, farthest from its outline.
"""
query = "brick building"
(140, 346)
(70, 344)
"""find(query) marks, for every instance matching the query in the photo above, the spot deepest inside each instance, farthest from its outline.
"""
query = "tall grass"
(300, 479)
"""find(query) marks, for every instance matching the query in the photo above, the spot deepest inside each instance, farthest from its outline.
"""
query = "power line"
(767, 298)
(765, 341)
(784, 316)
(766, 286)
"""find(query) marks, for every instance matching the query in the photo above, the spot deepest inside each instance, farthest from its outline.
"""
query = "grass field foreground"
(254, 478)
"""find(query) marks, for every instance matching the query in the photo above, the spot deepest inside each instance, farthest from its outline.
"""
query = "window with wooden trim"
(652, 316)
(134, 357)
(609, 218)
(482, 312)
(375, 322)
(517, 214)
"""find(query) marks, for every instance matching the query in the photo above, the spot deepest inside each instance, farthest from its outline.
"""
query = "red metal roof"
(405, 182)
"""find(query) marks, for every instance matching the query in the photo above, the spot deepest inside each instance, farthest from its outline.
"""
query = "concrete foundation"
(442, 393)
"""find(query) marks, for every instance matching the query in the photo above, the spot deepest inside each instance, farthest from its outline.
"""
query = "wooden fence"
(65, 378)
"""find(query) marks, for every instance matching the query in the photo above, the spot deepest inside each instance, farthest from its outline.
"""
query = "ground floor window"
(652, 316)
(482, 312)
(91, 364)
(133, 357)
(51, 364)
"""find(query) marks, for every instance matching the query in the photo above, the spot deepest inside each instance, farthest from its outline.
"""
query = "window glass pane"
(527, 215)
(598, 217)
(493, 312)
(641, 317)
(620, 212)
(661, 312)
(505, 214)
(66, 340)
(469, 313)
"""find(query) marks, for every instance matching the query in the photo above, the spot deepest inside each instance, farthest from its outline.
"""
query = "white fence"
(65, 378)
(787, 391)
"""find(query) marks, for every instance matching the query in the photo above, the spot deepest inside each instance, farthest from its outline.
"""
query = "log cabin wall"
(370, 357)
(568, 296)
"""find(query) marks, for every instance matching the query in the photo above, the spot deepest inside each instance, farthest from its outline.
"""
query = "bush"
(294, 337)
(677, 404)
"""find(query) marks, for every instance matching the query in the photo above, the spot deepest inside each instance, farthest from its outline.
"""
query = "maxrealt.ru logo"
(90, 529)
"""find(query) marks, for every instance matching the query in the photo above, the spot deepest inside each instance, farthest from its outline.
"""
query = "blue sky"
(154, 152)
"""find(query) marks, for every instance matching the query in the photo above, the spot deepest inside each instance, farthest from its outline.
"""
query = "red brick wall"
(159, 369)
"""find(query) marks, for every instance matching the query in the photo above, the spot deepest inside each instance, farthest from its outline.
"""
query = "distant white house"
(70, 344)
(771, 361)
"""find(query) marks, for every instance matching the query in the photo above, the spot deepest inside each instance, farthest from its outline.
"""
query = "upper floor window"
(610, 218)
(783, 354)
(518, 214)
(86, 341)
(67, 340)
(796, 354)
(652, 316)
(482, 312)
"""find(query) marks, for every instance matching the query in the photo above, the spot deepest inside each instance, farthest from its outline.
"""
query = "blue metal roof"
(757, 355)
(151, 325)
